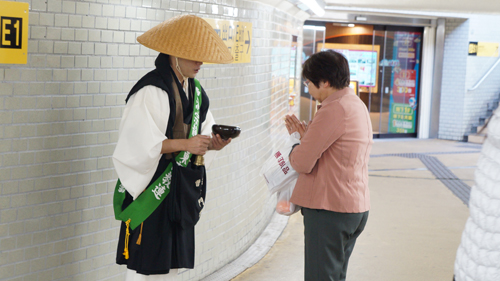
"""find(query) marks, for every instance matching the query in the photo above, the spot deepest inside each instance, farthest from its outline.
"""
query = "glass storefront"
(385, 68)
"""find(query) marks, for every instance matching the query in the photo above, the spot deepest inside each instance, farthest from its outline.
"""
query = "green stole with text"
(145, 204)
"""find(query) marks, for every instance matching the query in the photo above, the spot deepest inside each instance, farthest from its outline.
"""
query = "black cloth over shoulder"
(164, 244)
(161, 77)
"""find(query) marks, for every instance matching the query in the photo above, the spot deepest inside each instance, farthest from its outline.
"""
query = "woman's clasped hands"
(293, 125)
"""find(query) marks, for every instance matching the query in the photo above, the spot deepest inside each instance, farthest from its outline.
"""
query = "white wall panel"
(59, 116)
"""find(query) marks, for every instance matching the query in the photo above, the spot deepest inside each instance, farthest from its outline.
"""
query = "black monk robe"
(159, 244)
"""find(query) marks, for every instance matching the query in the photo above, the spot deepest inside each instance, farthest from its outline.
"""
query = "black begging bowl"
(225, 131)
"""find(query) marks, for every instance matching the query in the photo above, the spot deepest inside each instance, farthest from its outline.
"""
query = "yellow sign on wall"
(237, 36)
(483, 49)
(13, 32)
(486, 49)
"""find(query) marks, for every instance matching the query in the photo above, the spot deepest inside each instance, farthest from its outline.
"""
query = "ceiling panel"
(461, 6)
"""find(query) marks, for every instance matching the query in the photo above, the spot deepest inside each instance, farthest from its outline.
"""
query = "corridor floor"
(415, 223)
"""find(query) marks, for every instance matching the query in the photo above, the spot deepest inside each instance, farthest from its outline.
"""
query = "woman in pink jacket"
(332, 161)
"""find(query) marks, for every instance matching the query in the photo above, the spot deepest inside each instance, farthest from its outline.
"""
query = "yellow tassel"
(127, 234)
(140, 236)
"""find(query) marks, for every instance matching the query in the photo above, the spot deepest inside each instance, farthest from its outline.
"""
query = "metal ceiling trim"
(373, 18)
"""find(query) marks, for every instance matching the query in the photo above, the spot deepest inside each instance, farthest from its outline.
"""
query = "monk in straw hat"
(166, 126)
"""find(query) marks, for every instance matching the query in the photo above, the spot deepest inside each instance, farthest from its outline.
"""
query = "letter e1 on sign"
(14, 32)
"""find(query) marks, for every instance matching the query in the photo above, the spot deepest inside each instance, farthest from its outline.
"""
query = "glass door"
(384, 62)
(314, 39)
(377, 94)
(394, 106)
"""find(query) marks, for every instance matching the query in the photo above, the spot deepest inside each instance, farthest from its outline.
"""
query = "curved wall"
(59, 116)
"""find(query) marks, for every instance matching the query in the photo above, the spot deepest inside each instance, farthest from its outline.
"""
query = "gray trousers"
(329, 241)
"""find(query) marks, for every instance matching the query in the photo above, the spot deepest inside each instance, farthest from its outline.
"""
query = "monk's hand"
(293, 125)
(198, 145)
(217, 143)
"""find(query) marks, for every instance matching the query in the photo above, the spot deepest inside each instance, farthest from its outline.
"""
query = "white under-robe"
(138, 149)
(141, 133)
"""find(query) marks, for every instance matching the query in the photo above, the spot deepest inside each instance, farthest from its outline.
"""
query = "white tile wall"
(461, 108)
(454, 77)
(59, 116)
(476, 101)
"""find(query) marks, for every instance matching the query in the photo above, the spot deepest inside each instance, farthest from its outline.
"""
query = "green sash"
(142, 207)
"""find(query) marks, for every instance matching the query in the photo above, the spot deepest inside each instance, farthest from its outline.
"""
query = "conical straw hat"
(188, 37)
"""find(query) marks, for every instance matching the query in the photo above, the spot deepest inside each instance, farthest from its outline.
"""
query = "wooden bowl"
(225, 131)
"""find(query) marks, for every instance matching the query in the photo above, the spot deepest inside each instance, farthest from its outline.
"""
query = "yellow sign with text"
(486, 49)
(237, 36)
(483, 49)
(14, 32)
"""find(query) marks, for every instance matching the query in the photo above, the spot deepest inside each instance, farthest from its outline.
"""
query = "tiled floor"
(415, 221)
